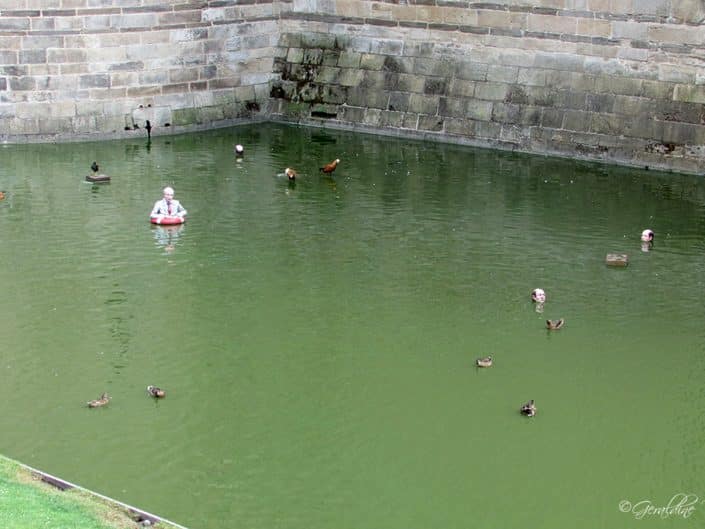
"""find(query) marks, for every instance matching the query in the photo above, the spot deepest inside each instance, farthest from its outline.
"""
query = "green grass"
(26, 502)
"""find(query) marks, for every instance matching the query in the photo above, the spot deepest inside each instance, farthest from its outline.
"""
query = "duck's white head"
(538, 295)
(647, 235)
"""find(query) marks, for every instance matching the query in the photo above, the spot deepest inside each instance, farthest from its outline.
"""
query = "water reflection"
(167, 236)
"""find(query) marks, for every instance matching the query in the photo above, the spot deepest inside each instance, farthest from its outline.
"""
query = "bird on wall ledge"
(330, 167)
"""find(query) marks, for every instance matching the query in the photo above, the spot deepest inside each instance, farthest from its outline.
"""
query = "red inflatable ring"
(165, 220)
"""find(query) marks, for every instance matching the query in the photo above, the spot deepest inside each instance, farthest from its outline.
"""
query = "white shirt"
(172, 209)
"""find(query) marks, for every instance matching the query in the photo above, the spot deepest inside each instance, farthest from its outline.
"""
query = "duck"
(528, 409)
(554, 325)
(647, 235)
(484, 362)
(2, 195)
(95, 167)
(538, 295)
(157, 393)
(290, 173)
(239, 150)
(330, 167)
(97, 403)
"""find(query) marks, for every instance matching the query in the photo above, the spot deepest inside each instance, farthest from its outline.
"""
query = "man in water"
(167, 206)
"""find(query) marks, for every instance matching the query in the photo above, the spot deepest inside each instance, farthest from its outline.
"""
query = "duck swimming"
(528, 409)
(157, 393)
(554, 325)
(484, 362)
(239, 150)
(330, 167)
(290, 173)
(647, 236)
(538, 295)
(97, 403)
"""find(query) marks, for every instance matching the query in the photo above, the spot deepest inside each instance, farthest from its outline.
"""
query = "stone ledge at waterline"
(37, 498)
(618, 82)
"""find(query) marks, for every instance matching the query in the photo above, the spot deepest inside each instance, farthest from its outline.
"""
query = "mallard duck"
(528, 409)
(97, 403)
(554, 325)
(95, 167)
(484, 362)
(290, 173)
(330, 167)
(239, 150)
(157, 393)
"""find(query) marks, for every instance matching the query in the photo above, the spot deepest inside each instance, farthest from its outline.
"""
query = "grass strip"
(27, 502)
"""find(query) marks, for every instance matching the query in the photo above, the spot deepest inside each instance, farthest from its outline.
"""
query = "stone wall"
(614, 80)
(621, 81)
(78, 69)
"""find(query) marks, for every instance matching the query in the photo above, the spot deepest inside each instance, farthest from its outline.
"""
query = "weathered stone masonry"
(75, 69)
(621, 81)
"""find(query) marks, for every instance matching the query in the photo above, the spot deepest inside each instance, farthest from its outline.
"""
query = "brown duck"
(330, 167)
(97, 403)
(554, 325)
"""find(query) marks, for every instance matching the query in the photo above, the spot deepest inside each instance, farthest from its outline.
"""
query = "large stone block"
(398, 101)
(430, 123)
(479, 110)
(491, 91)
(422, 104)
(352, 114)
(452, 106)
(502, 74)
(94, 81)
(372, 117)
(460, 127)
(59, 55)
(370, 61)
(349, 59)
(461, 88)
(391, 119)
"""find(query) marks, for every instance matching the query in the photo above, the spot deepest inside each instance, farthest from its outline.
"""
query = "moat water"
(317, 340)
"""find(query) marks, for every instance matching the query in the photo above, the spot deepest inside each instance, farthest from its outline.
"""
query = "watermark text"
(681, 505)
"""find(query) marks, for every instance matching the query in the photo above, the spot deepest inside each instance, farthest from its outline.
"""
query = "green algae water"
(317, 339)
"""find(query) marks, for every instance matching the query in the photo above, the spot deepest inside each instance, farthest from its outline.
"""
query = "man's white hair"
(168, 189)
